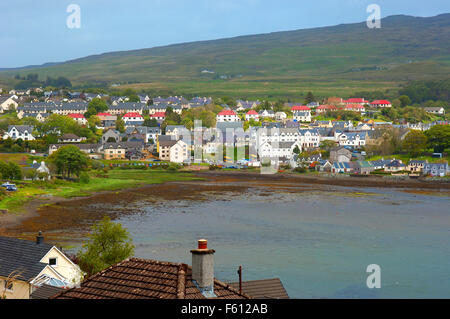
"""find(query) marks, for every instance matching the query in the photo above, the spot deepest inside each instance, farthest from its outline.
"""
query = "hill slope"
(405, 48)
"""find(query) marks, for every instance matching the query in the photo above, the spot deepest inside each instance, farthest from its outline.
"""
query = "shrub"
(84, 178)
(300, 170)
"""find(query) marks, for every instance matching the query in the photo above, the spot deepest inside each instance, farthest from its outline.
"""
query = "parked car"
(10, 187)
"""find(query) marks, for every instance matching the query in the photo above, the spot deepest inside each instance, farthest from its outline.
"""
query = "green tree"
(438, 137)
(69, 160)
(120, 125)
(108, 244)
(414, 143)
(309, 98)
(96, 106)
(404, 100)
(134, 98)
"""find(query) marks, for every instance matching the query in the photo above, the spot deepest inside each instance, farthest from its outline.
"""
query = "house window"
(53, 261)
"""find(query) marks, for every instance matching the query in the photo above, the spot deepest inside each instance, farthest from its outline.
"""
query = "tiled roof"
(137, 278)
(381, 102)
(74, 115)
(263, 289)
(132, 114)
(45, 292)
(300, 108)
(227, 112)
(159, 114)
(22, 255)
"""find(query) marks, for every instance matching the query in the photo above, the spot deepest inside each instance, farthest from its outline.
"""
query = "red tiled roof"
(227, 112)
(103, 114)
(137, 278)
(355, 100)
(381, 102)
(300, 108)
(76, 115)
(252, 112)
(132, 114)
(159, 114)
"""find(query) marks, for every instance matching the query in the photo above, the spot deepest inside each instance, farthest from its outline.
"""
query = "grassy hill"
(330, 60)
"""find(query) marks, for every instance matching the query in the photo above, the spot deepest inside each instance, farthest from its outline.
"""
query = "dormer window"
(53, 261)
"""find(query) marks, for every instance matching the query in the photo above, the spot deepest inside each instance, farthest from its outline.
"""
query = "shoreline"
(68, 217)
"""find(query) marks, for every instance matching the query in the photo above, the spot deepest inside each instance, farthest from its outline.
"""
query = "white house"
(282, 150)
(79, 118)
(227, 116)
(133, 119)
(252, 115)
(381, 103)
(302, 116)
(19, 131)
(7, 103)
(179, 152)
(435, 110)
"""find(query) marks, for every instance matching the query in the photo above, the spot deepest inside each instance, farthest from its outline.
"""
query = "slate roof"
(45, 292)
(263, 289)
(22, 255)
(137, 278)
(21, 128)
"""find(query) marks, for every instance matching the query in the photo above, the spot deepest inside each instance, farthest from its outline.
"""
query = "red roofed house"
(360, 101)
(79, 118)
(381, 103)
(227, 116)
(159, 116)
(133, 119)
(252, 114)
(355, 108)
(301, 108)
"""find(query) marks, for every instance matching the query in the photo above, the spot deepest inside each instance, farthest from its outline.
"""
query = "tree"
(134, 98)
(296, 150)
(404, 100)
(150, 122)
(10, 171)
(120, 125)
(69, 160)
(438, 137)
(414, 143)
(309, 98)
(108, 244)
(97, 105)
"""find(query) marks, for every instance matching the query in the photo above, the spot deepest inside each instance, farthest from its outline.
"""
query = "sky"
(36, 32)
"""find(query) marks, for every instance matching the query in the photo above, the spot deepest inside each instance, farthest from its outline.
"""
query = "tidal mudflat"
(318, 239)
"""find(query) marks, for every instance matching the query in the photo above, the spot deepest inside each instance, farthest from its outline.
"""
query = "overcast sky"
(36, 32)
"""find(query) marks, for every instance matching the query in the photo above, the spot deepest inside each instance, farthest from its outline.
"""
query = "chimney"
(203, 268)
(39, 238)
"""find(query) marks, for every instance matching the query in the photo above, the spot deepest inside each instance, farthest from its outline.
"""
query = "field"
(118, 179)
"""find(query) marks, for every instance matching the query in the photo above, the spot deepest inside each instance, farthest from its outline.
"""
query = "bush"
(84, 178)
(300, 170)
(97, 164)
(213, 167)
(173, 167)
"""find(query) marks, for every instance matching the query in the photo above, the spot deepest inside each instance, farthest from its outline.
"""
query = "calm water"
(318, 243)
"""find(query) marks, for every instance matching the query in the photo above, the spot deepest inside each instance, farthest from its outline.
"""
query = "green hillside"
(330, 60)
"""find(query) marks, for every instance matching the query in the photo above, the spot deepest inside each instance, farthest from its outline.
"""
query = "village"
(336, 135)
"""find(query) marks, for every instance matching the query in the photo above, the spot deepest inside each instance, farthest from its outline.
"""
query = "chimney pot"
(203, 268)
(39, 238)
(202, 244)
